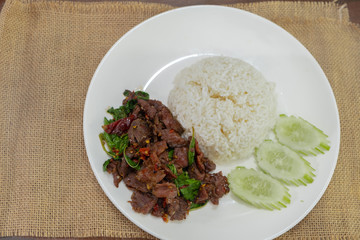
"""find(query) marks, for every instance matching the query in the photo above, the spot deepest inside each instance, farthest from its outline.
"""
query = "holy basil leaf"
(191, 191)
(171, 154)
(142, 95)
(181, 179)
(120, 142)
(107, 121)
(138, 94)
(115, 143)
(129, 106)
(117, 113)
(194, 206)
(172, 168)
(106, 163)
(103, 141)
(189, 187)
(191, 152)
(126, 93)
(130, 162)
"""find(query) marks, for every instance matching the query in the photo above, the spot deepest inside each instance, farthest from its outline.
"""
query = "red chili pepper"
(145, 151)
(120, 126)
(164, 203)
(165, 218)
(171, 130)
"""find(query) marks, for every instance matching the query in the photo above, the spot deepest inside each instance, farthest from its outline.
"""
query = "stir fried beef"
(209, 165)
(159, 147)
(123, 169)
(177, 208)
(165, 190)
(203, 195)
(173, 138)
(149, 174)
(170, 122)
(142, 202)
(181, 157)
(167, 173)
(112, 168)
(139, 132)
(149, 110)
(132, 182)
(195, 173)
(216, 186)
(158, 210)
(164, 158)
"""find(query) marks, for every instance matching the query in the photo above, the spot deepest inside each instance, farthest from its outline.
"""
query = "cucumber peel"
(300, 135)
(284, 164)
(258, 189)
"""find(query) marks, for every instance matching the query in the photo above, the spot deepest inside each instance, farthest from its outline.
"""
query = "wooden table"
(354, 12)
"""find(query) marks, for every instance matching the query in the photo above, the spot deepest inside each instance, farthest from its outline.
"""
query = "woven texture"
(48, 54)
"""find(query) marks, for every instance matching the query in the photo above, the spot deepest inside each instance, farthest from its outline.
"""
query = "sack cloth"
(49, 51)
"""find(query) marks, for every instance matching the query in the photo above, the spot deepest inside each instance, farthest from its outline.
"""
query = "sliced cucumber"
(283, 164)
(300, 135)
(258, 189)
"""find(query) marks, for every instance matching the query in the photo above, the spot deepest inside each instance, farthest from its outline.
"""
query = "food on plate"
(228, 102)
(279, 164)
(283, 164)
(168, 174)
(258, 188)
(300, 135)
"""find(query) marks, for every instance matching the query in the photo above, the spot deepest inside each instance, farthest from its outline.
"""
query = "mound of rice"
(228, 102)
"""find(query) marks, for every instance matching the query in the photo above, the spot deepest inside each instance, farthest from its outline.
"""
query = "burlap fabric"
(48, 54)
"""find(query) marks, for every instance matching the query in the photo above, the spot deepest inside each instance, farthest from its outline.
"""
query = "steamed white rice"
(228, 102)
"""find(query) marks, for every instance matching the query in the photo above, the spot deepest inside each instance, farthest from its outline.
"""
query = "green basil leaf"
(106, 163)
(191, 191)
(107, 121)
(142, 95)
(172, 168)
(191, 153)
(118, 113)
(126, 93)
(191, 188)
(130, 162)
(109, 140)
(171, 154)
(103, 141)
(129, 106)
(181, 179)
(194, 206)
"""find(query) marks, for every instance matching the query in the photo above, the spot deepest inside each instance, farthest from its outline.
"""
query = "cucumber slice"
(283, 164)
(258, 189)
(300, 135)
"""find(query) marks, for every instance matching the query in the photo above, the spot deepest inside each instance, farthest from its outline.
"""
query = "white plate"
(149, 56)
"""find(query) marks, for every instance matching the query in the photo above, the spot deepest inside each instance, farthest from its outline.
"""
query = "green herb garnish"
(126, 93)
(171, 154)
(191, 188)
(142, 95)
(122, 111)
(106, 163)
(130, 162)
(139, 94)
(115, 143)
(172, 168)
(191, 153)
(103, 141)
(194, 206)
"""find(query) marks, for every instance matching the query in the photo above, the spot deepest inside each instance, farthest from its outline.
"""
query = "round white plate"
(149, 56)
